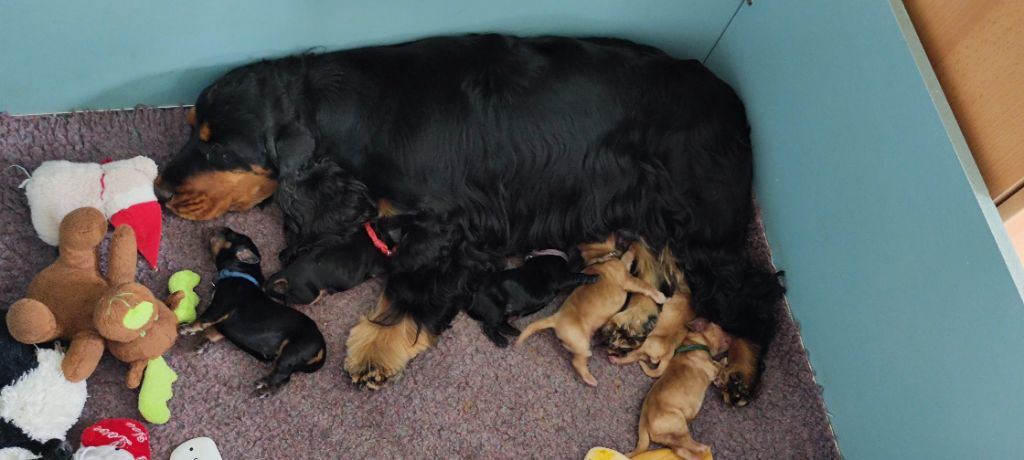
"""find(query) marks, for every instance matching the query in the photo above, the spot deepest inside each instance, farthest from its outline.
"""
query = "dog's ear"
(698, 325)
(290, 148)
(726, 342)
(247, 256)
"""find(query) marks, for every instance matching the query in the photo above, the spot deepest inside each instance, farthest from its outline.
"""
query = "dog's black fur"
(325, 252)
(247, 317)
(522, 291)
(503, 144)
(328, 264)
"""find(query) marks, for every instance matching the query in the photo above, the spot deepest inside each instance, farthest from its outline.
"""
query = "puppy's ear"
(698, 325)
(291, 148)
(277, 286)
(725, 343)
(247, 256)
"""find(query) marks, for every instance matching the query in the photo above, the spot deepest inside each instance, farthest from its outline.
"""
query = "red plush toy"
(125, 434)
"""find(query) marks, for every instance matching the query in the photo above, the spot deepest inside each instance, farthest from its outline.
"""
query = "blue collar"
(225, 274)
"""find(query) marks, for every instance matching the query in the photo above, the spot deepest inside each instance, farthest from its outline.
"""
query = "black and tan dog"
(590, 306)
(522, 291)
(505, 144)
(675, 399)
(246, 316)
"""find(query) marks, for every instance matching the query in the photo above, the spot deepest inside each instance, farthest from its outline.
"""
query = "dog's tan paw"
(739, 390)
(377, 353)
(740, 377)
(371, 377)
(628, 329)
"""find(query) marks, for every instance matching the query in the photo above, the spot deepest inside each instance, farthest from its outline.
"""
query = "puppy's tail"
(536, 326)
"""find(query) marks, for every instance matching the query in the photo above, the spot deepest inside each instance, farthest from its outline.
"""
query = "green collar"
(691, 347)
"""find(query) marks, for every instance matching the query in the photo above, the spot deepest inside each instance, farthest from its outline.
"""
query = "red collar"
(377, 242)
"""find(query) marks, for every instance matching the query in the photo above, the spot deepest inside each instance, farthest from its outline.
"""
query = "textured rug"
(463, 399)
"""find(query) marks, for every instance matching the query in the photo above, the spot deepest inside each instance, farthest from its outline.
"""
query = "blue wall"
(64, 55)
(895, 260)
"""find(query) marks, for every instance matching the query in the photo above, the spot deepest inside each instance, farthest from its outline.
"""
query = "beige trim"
(1012, 212)
(977, 50)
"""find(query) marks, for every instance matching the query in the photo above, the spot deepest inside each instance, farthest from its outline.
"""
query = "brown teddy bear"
(71, 300)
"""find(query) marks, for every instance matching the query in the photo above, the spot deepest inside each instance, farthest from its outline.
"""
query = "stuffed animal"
(107, 452)
(37, 404)
(185, 281)
(604, 453)
(127, 435)
(122, 189)
(197, 449)
(71, 300)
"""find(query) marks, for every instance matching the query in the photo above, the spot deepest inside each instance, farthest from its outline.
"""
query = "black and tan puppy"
(246, 316)
(522, 291)
(336, 238)
(331, 264)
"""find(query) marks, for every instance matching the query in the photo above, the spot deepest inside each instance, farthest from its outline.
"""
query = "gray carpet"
(463, 399)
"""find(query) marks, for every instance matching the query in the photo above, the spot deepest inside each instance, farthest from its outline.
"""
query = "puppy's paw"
(497, 338)
(264, 389)
(202, 347)
(190, 329)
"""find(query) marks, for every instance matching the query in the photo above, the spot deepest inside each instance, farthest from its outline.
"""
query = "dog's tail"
(536, 326)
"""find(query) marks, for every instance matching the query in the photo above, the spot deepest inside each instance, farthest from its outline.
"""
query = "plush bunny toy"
(122, 189)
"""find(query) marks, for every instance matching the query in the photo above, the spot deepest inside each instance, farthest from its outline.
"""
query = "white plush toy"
(37, 404)
(102, 453)
(197, 449)
(122, 189)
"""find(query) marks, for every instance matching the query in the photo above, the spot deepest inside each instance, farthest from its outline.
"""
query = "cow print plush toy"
(37, 404)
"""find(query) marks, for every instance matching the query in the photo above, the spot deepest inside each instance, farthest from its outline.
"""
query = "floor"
(463, 399)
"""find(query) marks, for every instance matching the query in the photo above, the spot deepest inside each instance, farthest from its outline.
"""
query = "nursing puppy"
(667, 335)
(590, 306)
(675, 399)
(246, 316)
(331, 264)
(335, 232)
(522, 291)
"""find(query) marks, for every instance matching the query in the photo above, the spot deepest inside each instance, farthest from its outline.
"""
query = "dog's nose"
(163, 195)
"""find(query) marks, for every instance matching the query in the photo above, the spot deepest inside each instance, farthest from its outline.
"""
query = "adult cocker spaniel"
(486, 146)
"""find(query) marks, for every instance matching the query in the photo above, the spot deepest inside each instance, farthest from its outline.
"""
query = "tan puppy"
(675, 399)
(667, 335)
(590, 306)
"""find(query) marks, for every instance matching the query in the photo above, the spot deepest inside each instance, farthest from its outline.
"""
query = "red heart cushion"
(127, 434)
